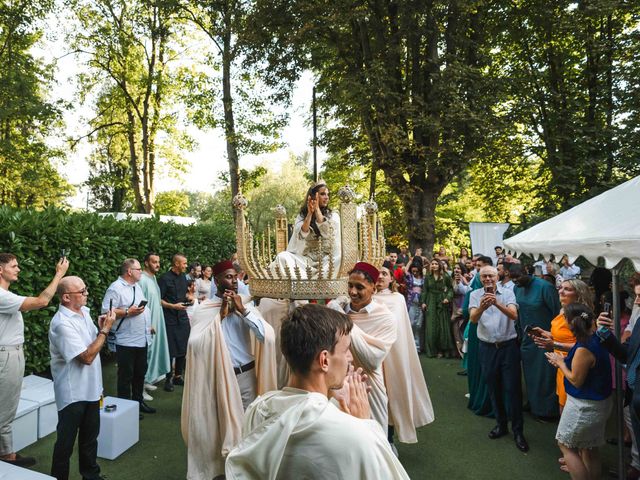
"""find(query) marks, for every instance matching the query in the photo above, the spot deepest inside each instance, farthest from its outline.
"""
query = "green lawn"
(455, 446)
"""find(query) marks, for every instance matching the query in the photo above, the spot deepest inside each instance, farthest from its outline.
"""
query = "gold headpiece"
(363, 242)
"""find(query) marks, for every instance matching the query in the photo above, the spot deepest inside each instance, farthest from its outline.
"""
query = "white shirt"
(70, 334)
(570, 272)
(635, 313)
(543, 266)
(11, 323)
(368, 308)
(494, 326)
(135, 331)
(236, 330)
(508, 285)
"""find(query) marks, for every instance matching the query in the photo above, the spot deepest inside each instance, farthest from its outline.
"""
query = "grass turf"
(455, 446)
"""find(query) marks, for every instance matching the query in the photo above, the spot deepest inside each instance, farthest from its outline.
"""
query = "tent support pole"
(622, 473)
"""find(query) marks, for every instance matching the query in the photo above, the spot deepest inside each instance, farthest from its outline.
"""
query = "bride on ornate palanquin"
(316, 237)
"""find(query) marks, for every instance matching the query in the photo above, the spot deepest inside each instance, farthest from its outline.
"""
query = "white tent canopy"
(605, 226)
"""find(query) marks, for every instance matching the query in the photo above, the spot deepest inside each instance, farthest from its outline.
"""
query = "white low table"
(25, 425)
(45, 397)
(11, 472)
(119, 430)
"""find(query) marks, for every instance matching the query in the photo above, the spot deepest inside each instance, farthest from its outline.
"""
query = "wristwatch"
(106, 334)
(126, 312)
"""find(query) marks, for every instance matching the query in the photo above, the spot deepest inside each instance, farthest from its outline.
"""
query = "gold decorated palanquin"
(360, 241)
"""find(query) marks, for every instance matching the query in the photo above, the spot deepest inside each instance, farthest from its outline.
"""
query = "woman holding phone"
(561, 339)
(588, 385)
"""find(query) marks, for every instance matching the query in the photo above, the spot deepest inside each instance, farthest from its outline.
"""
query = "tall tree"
(28, 175)
(246, 113)
(408, 77)
(570, 75)
(128, 46)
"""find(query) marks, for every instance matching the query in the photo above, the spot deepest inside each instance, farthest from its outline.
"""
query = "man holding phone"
(494, 310)
(11, 350)
(627, 353)
(132, 329)
(75, 344)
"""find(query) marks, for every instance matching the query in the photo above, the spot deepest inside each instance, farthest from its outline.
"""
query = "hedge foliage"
(96, 247)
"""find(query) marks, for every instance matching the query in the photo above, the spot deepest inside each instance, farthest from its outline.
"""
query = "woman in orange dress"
(560, 339)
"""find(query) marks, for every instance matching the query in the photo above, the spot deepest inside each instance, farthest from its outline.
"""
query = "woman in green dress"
(437, 295)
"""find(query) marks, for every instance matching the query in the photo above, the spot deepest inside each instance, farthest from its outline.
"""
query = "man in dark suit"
(627, 353)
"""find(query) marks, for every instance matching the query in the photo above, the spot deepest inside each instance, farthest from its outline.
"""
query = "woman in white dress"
(315, 239)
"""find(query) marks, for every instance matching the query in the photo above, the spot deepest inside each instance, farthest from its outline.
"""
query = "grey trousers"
(248, 386)
(11, 373)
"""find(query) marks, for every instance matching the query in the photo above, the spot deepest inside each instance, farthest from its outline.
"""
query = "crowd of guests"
(536, 322)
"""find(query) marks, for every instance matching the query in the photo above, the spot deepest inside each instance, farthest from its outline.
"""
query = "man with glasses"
(11, 353)
(132, 329)
(75, 344)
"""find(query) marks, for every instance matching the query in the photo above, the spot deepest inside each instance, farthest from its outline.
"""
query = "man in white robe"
(230, 359)
(298, 432)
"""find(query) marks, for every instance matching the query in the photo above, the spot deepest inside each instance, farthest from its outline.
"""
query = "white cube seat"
(31, 381)
(11, 472)
(45, 397)
(25, 425)
(119, 430)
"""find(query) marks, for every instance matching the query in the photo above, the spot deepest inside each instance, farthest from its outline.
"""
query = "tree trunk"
(227, 101)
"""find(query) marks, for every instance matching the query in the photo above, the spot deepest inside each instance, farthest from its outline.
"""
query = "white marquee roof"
(605, 226)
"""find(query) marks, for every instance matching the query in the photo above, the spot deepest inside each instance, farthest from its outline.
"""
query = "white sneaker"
(150, 387)
(146, 397)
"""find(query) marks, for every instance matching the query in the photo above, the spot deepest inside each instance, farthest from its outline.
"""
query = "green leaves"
(96, 248)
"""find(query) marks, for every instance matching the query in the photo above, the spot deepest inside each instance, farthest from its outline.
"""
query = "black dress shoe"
(521, 442)
(168, 385)
(21, 461)
(146, 408)
(462, 373)
(140, 416)
(498, 432)
(178, 381)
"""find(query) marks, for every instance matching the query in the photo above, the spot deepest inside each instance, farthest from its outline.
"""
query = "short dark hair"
(366, 275)
(148, 256)
(486, 260)
(515, 269)
(580, 319)
(309, 330)
(6, 258)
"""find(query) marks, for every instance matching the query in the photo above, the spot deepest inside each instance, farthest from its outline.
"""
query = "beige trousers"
(11, 373)
(247, 383)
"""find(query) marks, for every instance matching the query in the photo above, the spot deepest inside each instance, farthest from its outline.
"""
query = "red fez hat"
(369, 269)
(218, 268)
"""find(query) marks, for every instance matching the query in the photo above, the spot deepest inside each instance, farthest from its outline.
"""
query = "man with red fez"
(230, 360)
(374, 333)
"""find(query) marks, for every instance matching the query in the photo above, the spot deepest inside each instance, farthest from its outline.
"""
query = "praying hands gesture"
(231, 301)
(313, 208)
(353, 397)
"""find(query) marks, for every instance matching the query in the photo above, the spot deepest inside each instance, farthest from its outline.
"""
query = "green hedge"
(96, 246)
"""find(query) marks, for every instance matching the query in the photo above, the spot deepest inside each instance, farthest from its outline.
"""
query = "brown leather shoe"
(633, 473)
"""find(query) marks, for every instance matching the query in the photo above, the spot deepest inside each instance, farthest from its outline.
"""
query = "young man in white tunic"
(230, 359)
(75, 344)
(298, 432)
(11, 350)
